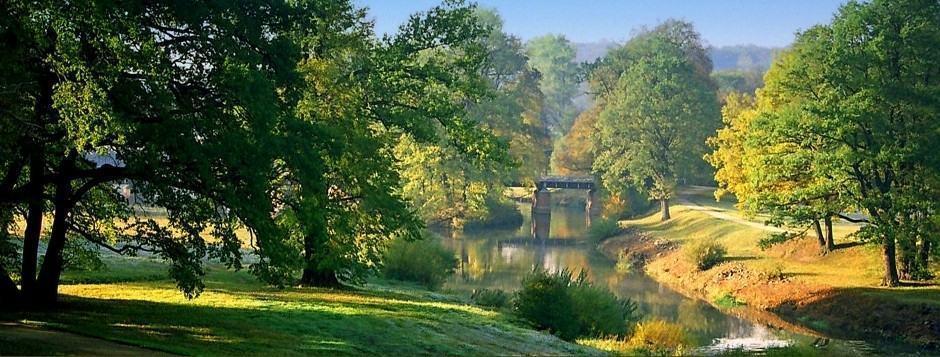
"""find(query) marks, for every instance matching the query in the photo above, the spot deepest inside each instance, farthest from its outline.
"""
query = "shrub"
(544, 300)
(660, 338)
(600, 312)
(727, 300)
(571, 307)
(494, 298)
(704, 254)
(629, 262)
(424, 261)
(651, 338)
(500, 214)
(603, 228)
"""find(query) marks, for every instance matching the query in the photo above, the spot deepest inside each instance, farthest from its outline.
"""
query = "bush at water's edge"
(424, 261)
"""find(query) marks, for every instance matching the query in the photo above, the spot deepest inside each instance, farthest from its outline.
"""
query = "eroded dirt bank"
(779, 299)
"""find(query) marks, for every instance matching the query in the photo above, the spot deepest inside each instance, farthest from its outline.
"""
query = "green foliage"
(630, 262)
(738, 81)
(277, 119)
(727, 300)
(600, 312)
(501, 213)
(603, 228)
(81, 256)
(704, 253)
(777, 238)
(423, 261)
(448, 187)
(572, 307)
(494, 298)
(659, 106)
(845, 123)
(553, 57)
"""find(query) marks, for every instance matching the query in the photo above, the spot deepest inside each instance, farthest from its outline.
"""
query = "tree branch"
(122, 250)
(853, 220)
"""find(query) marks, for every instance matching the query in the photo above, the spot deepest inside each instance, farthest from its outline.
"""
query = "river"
(500, 258)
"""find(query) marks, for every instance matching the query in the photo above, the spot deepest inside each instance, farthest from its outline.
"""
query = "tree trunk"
(9, 295)
(314, 274)
(830, 239)
(819, 235)
(47, 287)
(319, 278)
(891, 269)
(906, 262)
(664, 203)
(923, 254)
(33, 224)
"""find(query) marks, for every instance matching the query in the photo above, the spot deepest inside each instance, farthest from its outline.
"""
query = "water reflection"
(486, 263)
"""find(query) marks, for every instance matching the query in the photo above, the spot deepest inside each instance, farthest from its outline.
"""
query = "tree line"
(844, 126)
(289, 120)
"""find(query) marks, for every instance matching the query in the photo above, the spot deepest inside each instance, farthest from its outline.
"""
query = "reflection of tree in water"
(568, 223)
(484, 264)
(696, 318)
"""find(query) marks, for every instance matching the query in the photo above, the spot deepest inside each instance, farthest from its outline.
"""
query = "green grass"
(237, 315)
(838, 293)
(728, 301)
(856, 266)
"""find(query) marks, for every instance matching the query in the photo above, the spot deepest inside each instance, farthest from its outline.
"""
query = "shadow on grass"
(897, 319)
(739, 259)
(848, 245)
(293, 321)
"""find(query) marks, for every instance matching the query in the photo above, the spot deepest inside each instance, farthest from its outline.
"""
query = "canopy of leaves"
(847, 121)
(658, 112)
(279, 118)
(553, 57)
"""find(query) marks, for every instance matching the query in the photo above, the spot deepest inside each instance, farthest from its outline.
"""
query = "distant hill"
(742, 57)
(590, 51)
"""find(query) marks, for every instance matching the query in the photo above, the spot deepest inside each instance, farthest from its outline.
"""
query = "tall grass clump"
(494, 298)
(650, 338)
(572, 307)
(660, 338)
(423, 261)
(704, 253)
(603, 228)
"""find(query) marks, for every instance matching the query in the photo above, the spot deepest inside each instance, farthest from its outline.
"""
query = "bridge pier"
(593, 204)
(541, 213)
(542, 201)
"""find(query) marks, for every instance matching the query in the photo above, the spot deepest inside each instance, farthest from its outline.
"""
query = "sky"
(770, 23)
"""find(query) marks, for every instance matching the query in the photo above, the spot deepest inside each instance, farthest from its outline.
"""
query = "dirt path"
(17, 339)
(720, 213)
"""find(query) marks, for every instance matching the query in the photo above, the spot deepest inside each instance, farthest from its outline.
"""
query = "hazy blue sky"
(721, 22)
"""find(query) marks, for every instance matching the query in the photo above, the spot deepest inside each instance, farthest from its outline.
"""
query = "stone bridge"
(542, 200)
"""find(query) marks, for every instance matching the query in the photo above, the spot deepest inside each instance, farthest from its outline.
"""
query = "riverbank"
(834, 295)
(131, 304)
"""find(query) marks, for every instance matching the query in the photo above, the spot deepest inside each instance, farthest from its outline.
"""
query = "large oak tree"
(274, 117)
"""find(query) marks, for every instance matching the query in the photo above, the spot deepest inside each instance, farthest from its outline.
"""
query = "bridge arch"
(542, 202)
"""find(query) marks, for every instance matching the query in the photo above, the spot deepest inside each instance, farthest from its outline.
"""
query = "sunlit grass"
(852, 266)
(238, 315)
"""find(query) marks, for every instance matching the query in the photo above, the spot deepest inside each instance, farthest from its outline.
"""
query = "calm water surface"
(499, 259)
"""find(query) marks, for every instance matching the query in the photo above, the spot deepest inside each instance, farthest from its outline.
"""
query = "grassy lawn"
(128, 303)
(851, 265)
